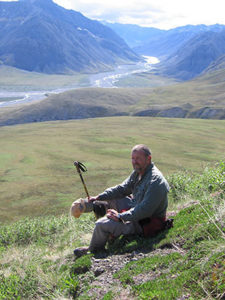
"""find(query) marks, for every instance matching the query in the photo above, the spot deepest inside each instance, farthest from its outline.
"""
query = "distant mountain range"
(135, 35)
(39, 35)
(185, 52)
(157, 42)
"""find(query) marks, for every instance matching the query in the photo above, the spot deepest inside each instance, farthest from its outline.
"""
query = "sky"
(163, 14)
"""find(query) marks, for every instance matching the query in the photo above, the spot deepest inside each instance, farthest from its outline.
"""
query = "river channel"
(103, 80)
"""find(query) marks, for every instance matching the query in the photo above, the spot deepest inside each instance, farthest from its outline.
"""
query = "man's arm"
(154, 201)
(119, 191)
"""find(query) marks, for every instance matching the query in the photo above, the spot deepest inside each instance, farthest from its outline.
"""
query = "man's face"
(140, 161)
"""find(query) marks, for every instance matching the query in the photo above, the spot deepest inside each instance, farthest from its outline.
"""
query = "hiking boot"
(78, 252)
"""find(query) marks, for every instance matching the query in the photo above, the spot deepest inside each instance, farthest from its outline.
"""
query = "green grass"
(144, 80)
(155, 94)
(196, 267)
(12, 79)
(5, 99)
(187, 261)
(36, 160)
(207, 90)
(197, 271)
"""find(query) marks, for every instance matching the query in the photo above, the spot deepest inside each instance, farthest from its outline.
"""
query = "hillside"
(185, 262)
(217, 65)
(195, 55)
(37, 175)
(199, 98)
(39, 183)
(41, 36)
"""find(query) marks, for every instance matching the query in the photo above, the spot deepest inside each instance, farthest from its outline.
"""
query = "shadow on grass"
(130, 243)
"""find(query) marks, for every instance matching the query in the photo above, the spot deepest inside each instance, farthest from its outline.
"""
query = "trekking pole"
(80, 167)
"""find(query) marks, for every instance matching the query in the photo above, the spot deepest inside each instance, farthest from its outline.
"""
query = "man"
(137, 206)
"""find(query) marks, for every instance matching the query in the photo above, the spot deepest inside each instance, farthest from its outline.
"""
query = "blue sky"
(164, 14)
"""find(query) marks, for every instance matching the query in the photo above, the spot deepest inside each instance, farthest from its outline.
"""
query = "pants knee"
(103, 224)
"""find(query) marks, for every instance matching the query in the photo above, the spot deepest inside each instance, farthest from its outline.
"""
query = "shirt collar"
(148, 169)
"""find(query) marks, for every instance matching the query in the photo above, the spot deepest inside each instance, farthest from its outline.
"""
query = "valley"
(26, 87)
(202, 97)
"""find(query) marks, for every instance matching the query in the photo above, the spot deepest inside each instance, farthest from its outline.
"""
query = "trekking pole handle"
(80, 167)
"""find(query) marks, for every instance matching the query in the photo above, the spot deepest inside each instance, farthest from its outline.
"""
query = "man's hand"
(92, 199)
(113, 215)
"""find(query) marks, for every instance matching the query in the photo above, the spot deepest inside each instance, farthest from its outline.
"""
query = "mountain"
(217, 65)
(195, 55)
(134, 35)
(171, 40)
(156, 42)
(39, 35)
(184, 52)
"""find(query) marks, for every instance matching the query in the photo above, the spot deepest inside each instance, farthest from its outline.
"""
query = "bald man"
(137, 205)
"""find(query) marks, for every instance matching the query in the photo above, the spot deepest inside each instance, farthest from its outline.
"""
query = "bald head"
(141, 158)
(143, 148)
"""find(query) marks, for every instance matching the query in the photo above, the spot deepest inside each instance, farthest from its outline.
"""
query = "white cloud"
(160, 13)
(156, 13)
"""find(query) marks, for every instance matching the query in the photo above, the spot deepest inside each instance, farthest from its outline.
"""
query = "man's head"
(141, 158)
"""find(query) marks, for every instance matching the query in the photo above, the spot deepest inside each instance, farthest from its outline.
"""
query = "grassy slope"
(205, 91)
(187, 262)
(208, 90)
(12, 79)
(36, 160)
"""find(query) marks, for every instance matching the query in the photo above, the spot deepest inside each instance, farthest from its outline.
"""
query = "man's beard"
(137, 168)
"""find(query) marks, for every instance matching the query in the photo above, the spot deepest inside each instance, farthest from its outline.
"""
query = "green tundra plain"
(38, 183)
(36, 161)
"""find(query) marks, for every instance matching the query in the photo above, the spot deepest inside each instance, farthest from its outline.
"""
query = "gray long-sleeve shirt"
(149, 194)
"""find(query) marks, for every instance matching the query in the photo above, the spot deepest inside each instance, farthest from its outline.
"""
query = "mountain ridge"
(41, 36)
(159, 42)
(193, 57)
(184, 52)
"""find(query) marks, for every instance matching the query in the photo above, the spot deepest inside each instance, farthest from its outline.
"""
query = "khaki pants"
(105, 227)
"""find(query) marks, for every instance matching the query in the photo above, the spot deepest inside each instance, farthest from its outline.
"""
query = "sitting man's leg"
(104, 227)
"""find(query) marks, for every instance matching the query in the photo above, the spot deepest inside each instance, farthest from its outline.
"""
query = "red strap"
(123, 210)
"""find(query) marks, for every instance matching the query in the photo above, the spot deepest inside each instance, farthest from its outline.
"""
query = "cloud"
(155, 13)
(126, 11)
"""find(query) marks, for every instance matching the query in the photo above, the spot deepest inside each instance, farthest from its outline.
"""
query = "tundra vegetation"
(37, 235)
(143, 94)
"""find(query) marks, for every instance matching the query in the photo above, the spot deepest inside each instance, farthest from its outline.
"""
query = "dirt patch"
(106, 266)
